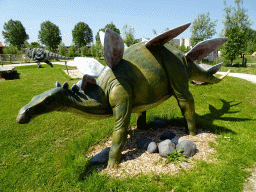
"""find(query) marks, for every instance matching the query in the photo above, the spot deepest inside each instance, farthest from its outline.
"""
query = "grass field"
(48, 154)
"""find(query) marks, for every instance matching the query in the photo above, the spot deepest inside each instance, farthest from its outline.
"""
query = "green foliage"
(84, 50)
(50, 35)
(251, 43)
(128, 35)
(82, 34)
(34, 45)
(202, 28)
(183, 48)
(175, 157)
(72, 51)
(14, 33)
(12, 50)
(62, 49)
(97, 50)
(236, 25)
(110, 26)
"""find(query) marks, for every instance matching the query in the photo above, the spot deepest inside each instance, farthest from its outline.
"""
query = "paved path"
(247, 77)
(69, 63)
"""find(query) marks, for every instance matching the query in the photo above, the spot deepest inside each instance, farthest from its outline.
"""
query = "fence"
(12, 58)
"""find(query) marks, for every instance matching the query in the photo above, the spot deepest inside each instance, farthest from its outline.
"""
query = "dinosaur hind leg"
(49, 63)
(141, 121)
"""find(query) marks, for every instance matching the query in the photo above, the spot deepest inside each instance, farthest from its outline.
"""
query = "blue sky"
(142, 15)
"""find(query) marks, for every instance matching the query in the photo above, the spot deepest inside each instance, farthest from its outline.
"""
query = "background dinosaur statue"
(135, 80)
(41, 55)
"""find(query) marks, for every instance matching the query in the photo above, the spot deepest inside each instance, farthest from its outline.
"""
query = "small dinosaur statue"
(135, 80)
(41, 55)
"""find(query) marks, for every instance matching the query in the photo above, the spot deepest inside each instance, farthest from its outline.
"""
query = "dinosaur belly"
(145, 107)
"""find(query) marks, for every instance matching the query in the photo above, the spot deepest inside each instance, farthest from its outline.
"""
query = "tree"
(50, 35)
(202, 28)
(97, 50)
(14, 33)
(82, 34)
(34, 45)
(72, 51)
(128, 35)
(154, 32)
(236, 26)
(110, 26)
(62, 49)
(84, 50)
(251, 43)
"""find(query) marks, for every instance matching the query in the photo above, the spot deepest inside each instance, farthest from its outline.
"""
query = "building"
(142, 39)
(186, 42)
(1, 48)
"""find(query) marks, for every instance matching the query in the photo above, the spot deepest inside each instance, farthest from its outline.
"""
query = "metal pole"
(66, 66)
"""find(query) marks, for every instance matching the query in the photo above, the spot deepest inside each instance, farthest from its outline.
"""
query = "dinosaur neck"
(87, 103)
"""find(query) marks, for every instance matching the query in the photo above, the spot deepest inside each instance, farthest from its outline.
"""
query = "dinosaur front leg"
(121, 104)
(38, 63)
(186, 104)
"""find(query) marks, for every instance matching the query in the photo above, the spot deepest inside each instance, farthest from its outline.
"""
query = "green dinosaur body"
(41, 55)
(143, 79)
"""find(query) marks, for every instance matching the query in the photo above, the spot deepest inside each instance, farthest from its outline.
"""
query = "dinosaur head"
(51, 100)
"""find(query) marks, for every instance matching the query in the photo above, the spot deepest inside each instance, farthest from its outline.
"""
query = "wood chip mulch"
(135, 161)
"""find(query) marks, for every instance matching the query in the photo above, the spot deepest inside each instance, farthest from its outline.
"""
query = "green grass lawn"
(247, 70)
(48, 154)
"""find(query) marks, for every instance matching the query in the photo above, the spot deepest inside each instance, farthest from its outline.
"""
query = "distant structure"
(143, 39)
(186, 42)
(1, 48)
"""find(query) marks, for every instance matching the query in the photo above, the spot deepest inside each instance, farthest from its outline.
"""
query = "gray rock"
(159, 123)
(143, 143)
(152, 147)
(166, 146)
(189, 147)
(175, 140)
(167, 135)
(101, 157)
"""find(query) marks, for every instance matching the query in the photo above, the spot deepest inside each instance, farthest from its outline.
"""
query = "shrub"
(84, 50)
(72, 51)
(12, 50)
(62, 49)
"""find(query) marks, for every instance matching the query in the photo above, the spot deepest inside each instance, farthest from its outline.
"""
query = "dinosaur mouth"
(23, 117)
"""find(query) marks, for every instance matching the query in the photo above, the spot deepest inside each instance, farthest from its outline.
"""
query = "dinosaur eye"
(48, 101)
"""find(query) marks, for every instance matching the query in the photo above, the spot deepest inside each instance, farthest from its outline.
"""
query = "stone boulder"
(167, 135)
(166, 146)
(189, 147)
(147, 144)
(101, 157)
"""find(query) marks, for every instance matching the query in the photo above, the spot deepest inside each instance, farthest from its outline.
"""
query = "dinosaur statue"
(135, 80)
(41, 55)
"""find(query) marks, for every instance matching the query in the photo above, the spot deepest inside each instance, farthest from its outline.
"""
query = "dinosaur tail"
(200, 74)
(54, 55)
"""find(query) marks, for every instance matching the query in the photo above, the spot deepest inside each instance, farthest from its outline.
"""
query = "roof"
(1, 44)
